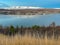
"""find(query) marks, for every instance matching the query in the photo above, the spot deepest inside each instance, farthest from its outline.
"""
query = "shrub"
(12, 29)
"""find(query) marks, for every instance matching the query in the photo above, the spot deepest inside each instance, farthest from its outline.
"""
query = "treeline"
(41, 31)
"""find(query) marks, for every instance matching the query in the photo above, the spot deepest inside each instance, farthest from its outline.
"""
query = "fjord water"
(29, 20)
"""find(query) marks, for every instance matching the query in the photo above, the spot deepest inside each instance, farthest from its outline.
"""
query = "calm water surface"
(27, 20)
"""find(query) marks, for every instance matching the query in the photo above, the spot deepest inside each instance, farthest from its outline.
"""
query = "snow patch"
(23, 7)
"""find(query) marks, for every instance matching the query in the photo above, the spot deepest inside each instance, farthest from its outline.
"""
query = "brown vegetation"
(35, 35)
(40, 31)
(27, 40)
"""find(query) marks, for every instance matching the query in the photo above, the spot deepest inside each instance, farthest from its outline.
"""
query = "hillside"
(28, 11)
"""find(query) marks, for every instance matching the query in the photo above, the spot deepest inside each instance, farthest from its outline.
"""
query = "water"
(31, 20)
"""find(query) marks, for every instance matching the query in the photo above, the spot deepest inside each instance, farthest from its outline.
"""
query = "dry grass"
(26, 40)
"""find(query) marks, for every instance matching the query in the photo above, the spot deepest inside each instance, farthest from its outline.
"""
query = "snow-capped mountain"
(23, 7)
(56, 8)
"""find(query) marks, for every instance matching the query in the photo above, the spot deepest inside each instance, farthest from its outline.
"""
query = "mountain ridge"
(23, 7)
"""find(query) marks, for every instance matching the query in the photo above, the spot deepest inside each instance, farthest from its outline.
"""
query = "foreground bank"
(27, 40)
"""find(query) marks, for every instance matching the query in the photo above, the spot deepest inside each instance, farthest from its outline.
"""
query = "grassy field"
(27, 40)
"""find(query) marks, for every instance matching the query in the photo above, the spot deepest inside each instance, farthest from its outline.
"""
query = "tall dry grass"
(27, 40)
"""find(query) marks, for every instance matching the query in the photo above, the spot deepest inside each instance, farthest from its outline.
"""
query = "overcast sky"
(40, 3)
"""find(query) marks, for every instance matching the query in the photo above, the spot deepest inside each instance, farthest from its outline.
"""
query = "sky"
(38, 3)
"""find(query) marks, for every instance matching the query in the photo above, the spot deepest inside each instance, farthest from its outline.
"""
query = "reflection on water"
(29, 20)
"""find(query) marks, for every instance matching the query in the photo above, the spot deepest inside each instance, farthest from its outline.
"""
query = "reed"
(26, 40)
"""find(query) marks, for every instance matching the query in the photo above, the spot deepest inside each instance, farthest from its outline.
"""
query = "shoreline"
(28, 11)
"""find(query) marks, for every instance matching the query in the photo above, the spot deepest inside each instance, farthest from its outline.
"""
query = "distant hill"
(24, 10)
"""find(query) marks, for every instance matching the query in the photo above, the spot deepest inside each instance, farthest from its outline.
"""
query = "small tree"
(12, 30)
(35, 27)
